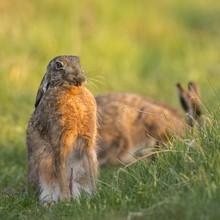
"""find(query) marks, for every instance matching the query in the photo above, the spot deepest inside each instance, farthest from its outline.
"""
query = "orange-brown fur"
(61, 137)
(128, 122)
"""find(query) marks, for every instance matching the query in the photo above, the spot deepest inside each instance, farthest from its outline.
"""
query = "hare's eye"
(59, 65)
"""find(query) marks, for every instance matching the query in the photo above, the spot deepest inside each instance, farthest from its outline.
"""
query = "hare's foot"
(65, 197)
(47, 197)
(50, 193)
(48, 203)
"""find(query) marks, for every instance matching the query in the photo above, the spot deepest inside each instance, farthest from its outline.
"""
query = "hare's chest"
(75, 110)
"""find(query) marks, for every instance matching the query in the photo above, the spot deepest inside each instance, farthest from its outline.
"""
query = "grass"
(144, 47)
(181, 182)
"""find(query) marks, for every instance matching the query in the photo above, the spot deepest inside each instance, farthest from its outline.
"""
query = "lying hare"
(61, 134)
(129, 122)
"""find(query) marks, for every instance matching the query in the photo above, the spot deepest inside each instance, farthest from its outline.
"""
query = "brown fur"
(129, 122)
(61, 135)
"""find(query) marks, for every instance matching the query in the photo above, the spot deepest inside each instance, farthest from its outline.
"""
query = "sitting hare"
(61, 134)
(128, 122)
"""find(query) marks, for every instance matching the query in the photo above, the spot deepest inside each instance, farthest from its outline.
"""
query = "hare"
(61, 134)
(128, 122)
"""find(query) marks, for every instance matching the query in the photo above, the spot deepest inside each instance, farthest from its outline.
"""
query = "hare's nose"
(81, 78)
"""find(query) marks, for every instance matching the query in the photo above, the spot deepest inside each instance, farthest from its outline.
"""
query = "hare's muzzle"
(79, 80)
(76, 78)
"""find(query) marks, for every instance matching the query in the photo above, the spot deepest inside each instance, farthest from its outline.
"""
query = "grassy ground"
(139, 46)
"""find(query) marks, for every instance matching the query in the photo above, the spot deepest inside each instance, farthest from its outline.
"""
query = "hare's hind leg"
(41, 176)
(123, 149)
(40, 170)
(48, 186)
(47, 167)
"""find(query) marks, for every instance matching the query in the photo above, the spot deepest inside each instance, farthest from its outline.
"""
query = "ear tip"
(191, 83)
(193, 86)
(180, 87)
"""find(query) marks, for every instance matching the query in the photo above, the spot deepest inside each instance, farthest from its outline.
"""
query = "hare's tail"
(190, 101)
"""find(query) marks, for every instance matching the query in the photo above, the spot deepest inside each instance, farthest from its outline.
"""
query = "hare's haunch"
(61, 134)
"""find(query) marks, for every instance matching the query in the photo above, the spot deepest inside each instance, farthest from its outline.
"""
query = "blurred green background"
(139, 46)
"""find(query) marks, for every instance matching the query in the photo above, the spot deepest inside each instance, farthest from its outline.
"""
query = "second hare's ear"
(42, 89)
(190, 101)
(195, 98)
(184, 97)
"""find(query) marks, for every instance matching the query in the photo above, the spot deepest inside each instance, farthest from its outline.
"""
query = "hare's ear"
(194, 92)
(190, 101)
(184, 97)
(42, 89)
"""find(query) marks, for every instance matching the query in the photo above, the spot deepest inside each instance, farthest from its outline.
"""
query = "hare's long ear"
(184, 97)
(190, 101)
(42, 89)
(195, 99)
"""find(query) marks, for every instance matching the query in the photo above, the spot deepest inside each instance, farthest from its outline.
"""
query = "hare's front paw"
(65, 196)
(48, 200)
(48, 203)
(49, 194)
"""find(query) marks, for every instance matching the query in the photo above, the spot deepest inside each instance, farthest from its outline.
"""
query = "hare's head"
(61, 70)
(65, 69)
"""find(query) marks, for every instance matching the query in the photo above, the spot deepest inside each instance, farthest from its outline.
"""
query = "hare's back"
(128, 99)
